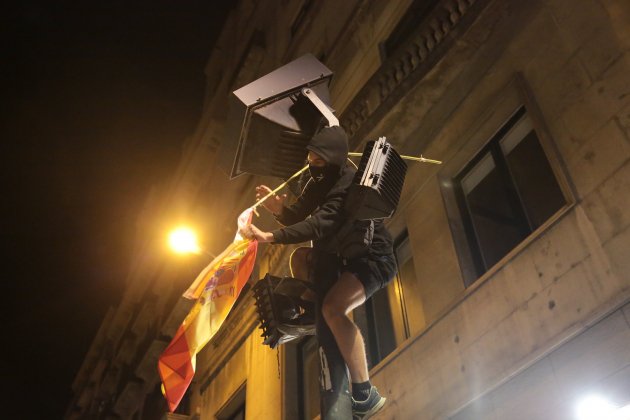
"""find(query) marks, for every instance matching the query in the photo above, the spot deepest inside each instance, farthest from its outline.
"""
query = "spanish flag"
(216, 289)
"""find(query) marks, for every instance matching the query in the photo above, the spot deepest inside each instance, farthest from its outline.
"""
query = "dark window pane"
(535, 181)
(239, 415)
(381, 337)
(235, 408)
(374, 320)
(506, 192)
(497, 225)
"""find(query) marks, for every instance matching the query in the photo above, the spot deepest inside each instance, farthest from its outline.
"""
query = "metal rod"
(278, 188)
(414, 158)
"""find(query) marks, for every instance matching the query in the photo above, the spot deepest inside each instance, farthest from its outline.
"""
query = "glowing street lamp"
(183, 240)
(596, 407)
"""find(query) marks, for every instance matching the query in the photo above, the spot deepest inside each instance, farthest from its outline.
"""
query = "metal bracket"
(321, 106)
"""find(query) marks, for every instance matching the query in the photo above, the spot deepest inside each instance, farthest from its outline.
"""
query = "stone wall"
(574, 57)
(597, 362)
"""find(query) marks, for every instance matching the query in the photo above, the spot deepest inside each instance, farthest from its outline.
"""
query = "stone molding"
(411, 62)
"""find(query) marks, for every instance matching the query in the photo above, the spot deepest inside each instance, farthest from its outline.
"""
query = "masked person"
(343, 281)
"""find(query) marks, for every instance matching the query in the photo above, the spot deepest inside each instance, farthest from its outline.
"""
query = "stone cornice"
(410, 63)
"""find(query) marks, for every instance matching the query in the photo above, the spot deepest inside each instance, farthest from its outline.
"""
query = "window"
(384, 319)
(234, 409)
(407, 291)
(396, 312)
(374, 319)
(505, 193)
(239, 414)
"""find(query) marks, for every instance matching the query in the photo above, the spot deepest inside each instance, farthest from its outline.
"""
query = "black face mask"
(326, 172)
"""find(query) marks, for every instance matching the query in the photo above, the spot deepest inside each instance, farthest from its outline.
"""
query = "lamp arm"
(321, 107)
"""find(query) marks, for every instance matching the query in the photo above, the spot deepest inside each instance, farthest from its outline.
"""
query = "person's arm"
(323, 221)
(305, 204)
(252, 232)
(285, 215)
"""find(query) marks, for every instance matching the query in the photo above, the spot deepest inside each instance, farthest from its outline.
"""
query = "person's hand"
(252, 232)
(273, 204)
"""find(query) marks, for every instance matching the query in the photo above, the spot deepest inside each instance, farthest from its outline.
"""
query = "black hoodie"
(331, 143)
(318, 213)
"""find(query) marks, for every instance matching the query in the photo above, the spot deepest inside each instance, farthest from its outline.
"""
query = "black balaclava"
(331, 143)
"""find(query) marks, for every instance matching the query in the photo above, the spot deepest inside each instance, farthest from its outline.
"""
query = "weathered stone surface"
(619, 12)
(601, 101)
(563, 84)
(487, 359)
(618, 252)
(577, 21)
(624, 120)
(597, 353)
(607, 206)
(597, 159)
(557, 251)
(146, 368)
(478, 409)
(626, 313)
(513, 400)
(527, 51)
(130, 399)
(474, 323)
(600, 51)
(551, 67)
(565, 141)
(615, 387)
(595, 361)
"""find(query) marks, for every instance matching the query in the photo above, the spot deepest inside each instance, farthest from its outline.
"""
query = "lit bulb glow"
(595, 407)
(184, 241)
(623, 413)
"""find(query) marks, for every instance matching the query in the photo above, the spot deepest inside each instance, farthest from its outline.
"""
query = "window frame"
(400, 241)
(516, 95)
(234, 405)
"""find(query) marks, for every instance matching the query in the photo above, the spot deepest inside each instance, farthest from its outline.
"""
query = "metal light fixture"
(271, 120)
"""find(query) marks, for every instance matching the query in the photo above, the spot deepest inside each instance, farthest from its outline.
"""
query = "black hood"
(331, 143)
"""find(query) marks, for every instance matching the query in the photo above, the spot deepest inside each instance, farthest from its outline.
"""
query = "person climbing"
(356, 257)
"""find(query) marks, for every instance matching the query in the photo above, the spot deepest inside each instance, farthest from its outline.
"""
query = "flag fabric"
(216, 289)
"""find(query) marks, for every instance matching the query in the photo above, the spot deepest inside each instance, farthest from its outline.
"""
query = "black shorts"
(374, 272)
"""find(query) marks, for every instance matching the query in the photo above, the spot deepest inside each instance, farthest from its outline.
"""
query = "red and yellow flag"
(216, 289)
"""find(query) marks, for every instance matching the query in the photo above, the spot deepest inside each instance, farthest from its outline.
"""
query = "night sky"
(97, 100)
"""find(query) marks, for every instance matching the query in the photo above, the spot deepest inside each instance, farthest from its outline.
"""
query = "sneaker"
(362, 410)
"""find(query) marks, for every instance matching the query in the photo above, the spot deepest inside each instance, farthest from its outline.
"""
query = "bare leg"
(345, 295)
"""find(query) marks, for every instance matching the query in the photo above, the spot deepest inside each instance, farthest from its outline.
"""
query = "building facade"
(512, 297)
